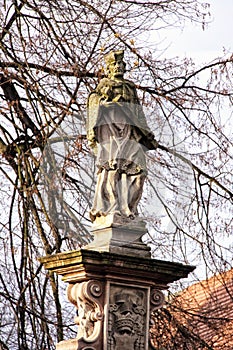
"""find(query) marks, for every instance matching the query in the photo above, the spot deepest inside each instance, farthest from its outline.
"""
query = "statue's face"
(116, 69)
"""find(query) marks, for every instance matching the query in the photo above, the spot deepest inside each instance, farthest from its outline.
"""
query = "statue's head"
(115, 66)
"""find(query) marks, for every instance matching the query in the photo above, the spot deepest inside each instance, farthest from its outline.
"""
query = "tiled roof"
(200, 317)
(209, 309)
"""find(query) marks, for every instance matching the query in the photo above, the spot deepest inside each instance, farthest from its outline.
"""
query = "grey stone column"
(114, 295)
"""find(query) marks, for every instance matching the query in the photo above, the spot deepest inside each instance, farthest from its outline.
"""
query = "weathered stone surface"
(118, 132)
(121, 239)
(88, 299)
(85, 264)
(114, 295)
(128, 317)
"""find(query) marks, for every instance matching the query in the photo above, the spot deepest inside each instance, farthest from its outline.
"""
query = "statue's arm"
(141, 114)
(149, 138)
(92, 117)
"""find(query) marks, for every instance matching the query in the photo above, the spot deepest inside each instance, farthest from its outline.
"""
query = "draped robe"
(118, 132)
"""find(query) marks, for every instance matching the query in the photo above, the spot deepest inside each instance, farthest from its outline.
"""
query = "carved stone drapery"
(86, 296)
(118, 132)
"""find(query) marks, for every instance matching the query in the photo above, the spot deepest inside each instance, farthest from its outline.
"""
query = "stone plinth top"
(85, 264)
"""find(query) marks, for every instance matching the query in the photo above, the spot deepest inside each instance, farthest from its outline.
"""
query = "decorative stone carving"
(127, 319)
(156, 299)
(86, 297)
(156, 302)
(118, 132)
(127, 288)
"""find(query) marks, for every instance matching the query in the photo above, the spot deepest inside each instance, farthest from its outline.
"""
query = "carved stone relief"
(86, 296)
(156, 302)
(156, 299)
(127, 322)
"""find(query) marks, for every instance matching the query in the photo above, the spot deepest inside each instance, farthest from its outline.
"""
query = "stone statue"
(118, 132)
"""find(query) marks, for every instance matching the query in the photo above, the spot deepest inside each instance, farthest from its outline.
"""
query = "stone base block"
(120, 239)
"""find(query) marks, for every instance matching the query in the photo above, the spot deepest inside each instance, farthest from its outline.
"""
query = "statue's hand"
(106, 94)
(150, 136)
(93, 145)
(150, 142)
(92, 142)
(118, 98)
(106, 101)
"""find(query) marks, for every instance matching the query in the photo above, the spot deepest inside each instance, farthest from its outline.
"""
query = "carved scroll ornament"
(156, 302)
(86, 297)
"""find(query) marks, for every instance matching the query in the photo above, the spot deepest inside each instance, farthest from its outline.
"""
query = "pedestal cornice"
(85, 264)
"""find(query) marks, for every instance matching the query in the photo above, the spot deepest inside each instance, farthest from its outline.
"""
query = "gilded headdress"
(114, 56)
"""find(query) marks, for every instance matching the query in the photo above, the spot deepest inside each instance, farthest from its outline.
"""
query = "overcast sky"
(208, 44)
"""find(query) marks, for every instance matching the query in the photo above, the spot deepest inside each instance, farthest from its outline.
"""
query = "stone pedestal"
(114, 294)
(120, 239)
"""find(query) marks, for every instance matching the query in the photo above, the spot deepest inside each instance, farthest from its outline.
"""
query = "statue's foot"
(127, 214)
